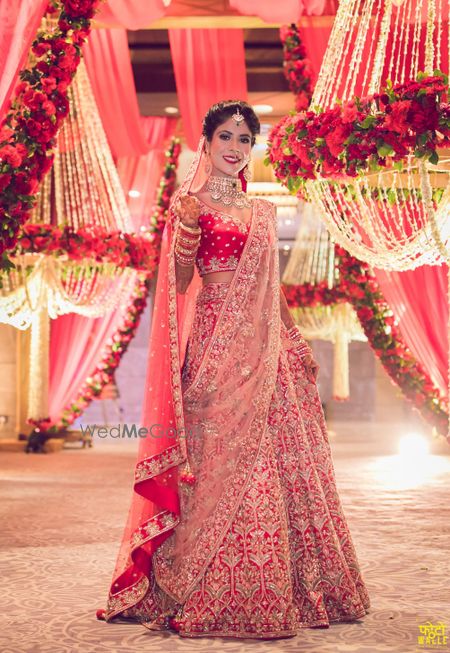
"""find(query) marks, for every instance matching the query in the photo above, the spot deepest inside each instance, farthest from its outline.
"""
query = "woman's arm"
(187, 241)
(184, 276)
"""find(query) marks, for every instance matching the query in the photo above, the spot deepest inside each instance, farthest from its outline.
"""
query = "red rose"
(79, 8)
(40, 49)
(25, 243)
(336, 138)
(12, 155)
(48, 108)
(48, 84)
(4, 181)
(424, 117)
(33, 127)
(62, 105)
(24, 185)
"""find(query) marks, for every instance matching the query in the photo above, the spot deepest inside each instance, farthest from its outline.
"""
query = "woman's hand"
(188, 209)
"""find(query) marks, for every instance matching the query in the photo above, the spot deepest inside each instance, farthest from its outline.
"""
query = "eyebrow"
(227, 131)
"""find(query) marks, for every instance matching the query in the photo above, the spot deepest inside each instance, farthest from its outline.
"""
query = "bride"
(235, 528)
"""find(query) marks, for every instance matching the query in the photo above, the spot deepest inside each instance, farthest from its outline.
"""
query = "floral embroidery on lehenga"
(274, 554)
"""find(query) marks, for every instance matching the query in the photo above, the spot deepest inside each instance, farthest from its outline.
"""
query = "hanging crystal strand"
(380, 55)
(395, 60)
(429, 43)
(357, 52)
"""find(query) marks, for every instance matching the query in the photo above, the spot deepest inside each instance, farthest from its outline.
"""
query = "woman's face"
(230, 148)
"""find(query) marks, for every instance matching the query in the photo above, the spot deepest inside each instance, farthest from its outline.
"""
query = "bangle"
(188, 241)
(184, 261)
(185, 250)
(190, 230)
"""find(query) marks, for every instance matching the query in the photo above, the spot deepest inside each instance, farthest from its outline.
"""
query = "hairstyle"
(220, 112)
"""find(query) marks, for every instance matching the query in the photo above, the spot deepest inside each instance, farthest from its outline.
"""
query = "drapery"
(143, 173)
(287, 11)
(107, 58)
(76, 343)
(209, 66)
(19, 22)
(131, 14)
(418, 299)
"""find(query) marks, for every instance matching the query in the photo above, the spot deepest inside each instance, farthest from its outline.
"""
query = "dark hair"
(220, 112)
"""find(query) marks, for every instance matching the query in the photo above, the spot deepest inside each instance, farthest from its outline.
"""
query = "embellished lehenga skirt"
(286, 560)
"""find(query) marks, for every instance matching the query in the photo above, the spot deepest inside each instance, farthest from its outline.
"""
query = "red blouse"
(221, 243)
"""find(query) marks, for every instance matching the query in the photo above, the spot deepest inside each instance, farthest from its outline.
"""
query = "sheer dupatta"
(215, 425)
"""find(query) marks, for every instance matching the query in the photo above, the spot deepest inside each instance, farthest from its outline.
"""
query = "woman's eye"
(224, 137)
(245, 140)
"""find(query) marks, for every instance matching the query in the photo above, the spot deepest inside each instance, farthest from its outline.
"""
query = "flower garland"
(118, 343)
(296, 66)
(28, 132)
(357, 286)
(93, 242)
(166, 187)
(363, 135)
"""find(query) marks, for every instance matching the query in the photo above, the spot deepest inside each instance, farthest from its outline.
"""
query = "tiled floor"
(62, 519)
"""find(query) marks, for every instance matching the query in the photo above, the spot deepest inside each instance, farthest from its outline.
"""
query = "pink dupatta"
(215, 425)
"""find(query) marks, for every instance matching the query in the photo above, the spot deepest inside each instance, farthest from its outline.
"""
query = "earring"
(247, 173)
(208, 165)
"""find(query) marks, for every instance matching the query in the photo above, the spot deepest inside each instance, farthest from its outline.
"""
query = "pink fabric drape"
(209, 66)
(19, 22)
(315, 39)
(143, 173)
(137, 142)
(418, 299)
(131, 14)
(76, 343)
(287, 11)
(107, 58)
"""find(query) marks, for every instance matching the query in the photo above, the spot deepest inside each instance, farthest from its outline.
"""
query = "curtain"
(137, 142)
(76, 344)
(209, 66)
(418, 299)
(287, 11)
(143, 173)
(19, 22)
(108, 64)
(315, 39)
(131, 14)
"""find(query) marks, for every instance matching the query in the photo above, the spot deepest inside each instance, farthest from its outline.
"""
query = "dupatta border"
(178, 586)
(158, 464)
(132, 594)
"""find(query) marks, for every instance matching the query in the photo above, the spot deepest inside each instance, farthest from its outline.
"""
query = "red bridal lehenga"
(236, 528)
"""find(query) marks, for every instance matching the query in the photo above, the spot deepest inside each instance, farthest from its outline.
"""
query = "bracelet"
(184, 261)
(188, 241)
(190, 230)
(185, 250)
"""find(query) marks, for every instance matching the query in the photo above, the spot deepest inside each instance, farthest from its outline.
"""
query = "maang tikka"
(238, 117)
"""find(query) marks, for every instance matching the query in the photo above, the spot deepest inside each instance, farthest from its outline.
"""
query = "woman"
(235, 528)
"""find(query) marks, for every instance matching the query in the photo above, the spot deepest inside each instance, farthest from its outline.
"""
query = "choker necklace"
(227, 190)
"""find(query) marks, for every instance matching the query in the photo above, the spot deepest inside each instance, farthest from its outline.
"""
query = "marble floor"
(62, 517)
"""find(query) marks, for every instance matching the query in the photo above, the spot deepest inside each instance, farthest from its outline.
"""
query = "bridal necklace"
(227, 190)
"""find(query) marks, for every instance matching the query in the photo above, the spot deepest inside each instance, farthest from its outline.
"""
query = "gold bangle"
(184, 250)
(188, 241)
(190, 230)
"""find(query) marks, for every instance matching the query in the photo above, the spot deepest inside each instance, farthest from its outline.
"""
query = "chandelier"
(81, 193)
(312, 264)
(373, 151)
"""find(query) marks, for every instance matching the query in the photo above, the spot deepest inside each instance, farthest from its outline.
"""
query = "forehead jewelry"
(237, 117)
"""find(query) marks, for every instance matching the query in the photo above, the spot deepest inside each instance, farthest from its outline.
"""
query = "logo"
(432, 635)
